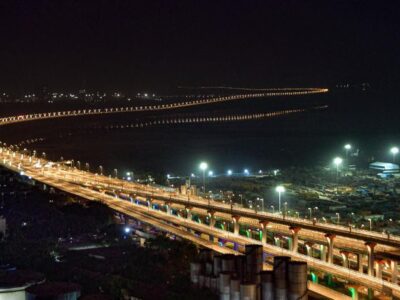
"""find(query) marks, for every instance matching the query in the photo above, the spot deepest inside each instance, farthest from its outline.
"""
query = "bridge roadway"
(310, 231)
(161, 107)
(91, 179)
(171, 223)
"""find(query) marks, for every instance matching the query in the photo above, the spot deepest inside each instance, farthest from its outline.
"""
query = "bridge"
(363, 257)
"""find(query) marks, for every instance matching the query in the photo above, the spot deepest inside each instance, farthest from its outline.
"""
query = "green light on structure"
(314, 278)
(248, 233)
(353, 293)
(260, 234)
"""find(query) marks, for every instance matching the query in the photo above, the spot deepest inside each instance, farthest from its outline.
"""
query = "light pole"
(338, 217)
(204, 166)
(273, 209)
(316, 210)
(285, 208)
(394, 151)
(370, 224)
(347, 147)
(310, 210)
(280, 189)
(337, 161)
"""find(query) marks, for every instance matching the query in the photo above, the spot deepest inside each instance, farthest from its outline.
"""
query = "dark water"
(365, 120)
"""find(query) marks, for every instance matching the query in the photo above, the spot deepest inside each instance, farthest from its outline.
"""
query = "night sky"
(159, 45)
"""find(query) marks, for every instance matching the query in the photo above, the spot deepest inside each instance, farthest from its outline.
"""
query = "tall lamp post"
(204, 166)
(279, 189)
(347, 147)
(394, 151)
(337, 161)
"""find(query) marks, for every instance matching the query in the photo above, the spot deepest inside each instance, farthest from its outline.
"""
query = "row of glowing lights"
(338, 160)
(204, 166)
(219, 99)
(279, 189)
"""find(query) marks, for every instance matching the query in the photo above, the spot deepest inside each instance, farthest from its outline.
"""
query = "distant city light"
(246, 171)
(347, 146)
(210, 173)
(192, 175)
(127, 230)
(229, 172)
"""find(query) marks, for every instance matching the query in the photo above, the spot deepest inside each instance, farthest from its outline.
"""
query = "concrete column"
(379, 268)
(323, 251)
(370, 249)
(295, 237)
(330, 238)
(264, 225)
(277, 241)
(309, 248)
(189, 213)
(150, 203)
(360, 263)
(211, 214)
(236, 224)
(345, 257)
(168, 208)
(394, 269)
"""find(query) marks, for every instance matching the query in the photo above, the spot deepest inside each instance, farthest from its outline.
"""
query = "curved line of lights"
(175, 105)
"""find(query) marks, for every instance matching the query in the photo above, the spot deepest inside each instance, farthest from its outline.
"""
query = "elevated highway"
(331, 241)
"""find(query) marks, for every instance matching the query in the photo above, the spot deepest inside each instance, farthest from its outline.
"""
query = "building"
(384, 167)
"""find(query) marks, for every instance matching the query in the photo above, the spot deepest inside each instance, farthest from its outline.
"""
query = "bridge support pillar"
(168, 207)
(323, 251)
(295, 238)
(189, 213)
(360, 263)
(236, 225)
(150, 203)
(330, 238)
(277, 241)
(345, 257)
(370, 249)
(394, 269)
(309, 249)
(264, 225)
(211, 214)
(379, 268)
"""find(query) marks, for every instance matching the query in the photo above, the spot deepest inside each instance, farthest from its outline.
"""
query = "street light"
(203, 166)
(280, 189)
(394, 151)
(347, 147)
(246, 172)
(210, 173)
(337, 161)
(338, 217)
(229, 172)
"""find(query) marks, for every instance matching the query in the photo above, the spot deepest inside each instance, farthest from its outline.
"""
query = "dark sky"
(135, 45)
